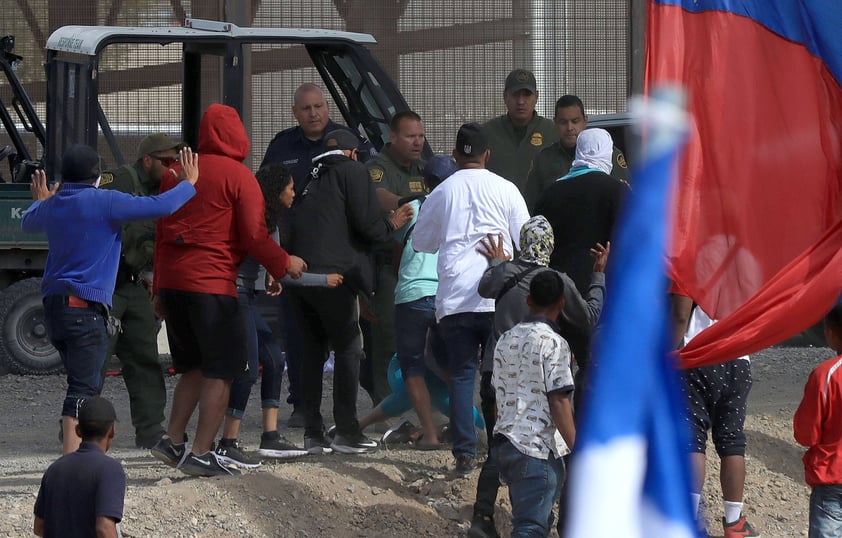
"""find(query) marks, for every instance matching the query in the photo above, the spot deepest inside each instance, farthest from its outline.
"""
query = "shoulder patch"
(107, 177)
(621, 161)
(537, 140)
(376, 174)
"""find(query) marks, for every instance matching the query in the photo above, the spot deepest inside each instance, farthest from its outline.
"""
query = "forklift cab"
(108, 87)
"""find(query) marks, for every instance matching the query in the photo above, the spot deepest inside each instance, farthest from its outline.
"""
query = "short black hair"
(546, 288)
(273, 179)
(94, 430)
(833, 319)
(395, 123)
(567, 101)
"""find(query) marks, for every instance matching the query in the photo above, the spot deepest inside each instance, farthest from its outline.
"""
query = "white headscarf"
(594, 149)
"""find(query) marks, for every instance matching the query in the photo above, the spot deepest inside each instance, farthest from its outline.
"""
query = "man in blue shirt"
(83, 226)
(82, 493)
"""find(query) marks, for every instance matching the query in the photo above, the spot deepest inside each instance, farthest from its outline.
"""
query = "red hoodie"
(818, 424)
(201, 246)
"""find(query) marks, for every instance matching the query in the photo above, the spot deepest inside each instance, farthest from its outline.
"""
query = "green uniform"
(386, 173)
(137, 345)
(512, 148)
(554, 162)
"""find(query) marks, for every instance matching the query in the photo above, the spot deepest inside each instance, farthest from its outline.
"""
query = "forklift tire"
(25, 347)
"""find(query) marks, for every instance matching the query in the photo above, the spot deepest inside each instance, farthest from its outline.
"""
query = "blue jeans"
(293, 348)
(533, 487)
(464, 336)
(261, 349)
(826, 511)
(79, 336)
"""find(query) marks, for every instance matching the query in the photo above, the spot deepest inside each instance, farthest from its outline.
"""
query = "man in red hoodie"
(197, 255)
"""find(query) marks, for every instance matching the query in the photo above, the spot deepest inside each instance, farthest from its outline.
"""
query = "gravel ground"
(390, 493)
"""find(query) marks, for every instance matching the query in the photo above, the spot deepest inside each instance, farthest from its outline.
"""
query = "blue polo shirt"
(76, 489)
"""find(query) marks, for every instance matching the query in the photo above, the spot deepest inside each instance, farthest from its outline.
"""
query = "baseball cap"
(80, 163)
(438, 168)
(341, 139)
(96, 409)
(157, 142)
(521, 79)
(470, 140)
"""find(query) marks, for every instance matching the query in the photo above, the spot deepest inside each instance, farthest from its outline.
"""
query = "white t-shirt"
(455, 216)
(699, 321)
(530, 361)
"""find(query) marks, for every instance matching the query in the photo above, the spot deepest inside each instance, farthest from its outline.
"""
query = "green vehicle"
(89, 73)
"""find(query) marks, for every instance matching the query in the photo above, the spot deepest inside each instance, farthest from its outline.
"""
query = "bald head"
(310, 110)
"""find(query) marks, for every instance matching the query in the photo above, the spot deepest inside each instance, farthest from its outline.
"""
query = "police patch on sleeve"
(621, 161)
(376, 175)
(107, 177)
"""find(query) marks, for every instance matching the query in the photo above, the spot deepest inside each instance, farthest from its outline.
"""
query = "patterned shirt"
(531, 361)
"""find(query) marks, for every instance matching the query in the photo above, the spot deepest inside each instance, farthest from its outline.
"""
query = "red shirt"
(200, 247)
(818, 424)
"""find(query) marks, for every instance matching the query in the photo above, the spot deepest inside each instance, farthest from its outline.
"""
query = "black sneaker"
(232, 454)
(280, 449)
(317, 445)
(358, 444)
(399, 433)
(296, 419)
(482, 527)
(168, 452)
(206, 464)
(148, 441)
(331, 432)
(465, 466)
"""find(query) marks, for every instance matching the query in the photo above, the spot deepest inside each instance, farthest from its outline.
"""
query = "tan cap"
(157, 142)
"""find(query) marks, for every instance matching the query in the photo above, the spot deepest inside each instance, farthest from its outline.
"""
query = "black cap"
(521, 79)
(470, 140)
(96, 409)
(80, 164)
(341, 139)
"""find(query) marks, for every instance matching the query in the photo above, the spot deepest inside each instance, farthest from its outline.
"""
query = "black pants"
(489, 477)
(329, 319)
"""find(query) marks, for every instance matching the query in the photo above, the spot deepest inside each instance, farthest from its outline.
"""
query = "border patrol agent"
(396, 172)
(136, 345)
(518, 135)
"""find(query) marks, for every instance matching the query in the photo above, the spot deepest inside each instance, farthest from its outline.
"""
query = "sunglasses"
(166, 161)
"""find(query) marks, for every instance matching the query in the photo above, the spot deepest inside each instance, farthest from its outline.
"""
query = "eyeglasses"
(166, 161)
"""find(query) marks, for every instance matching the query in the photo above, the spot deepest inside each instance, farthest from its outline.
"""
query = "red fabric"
(759, 183)
(818, 424)
(201, 246)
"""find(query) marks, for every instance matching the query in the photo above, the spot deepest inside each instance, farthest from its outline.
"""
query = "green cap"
(521, 79)
(157, 142)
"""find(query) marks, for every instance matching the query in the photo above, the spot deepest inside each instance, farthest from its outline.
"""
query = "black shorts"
(206, 332)
(716, 400)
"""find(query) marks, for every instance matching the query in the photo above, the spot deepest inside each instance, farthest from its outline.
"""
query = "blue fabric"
(261, 349)
(83, 226)
(464, 334)
(79, 336)
(813, 23)
(76, 489)
(826, 511)
(293, 348)
(578, 171)
(412, 321)
(418, 273)
(533, 484)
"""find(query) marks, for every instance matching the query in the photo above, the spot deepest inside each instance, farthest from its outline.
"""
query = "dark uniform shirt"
(296, 151)
(387, 173)
(554, 162)
(138, 239)
(512, 149)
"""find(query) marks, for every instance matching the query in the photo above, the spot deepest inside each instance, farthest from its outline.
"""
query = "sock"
(270, 436)
(732, 511)
(227, 442)
(695, 498)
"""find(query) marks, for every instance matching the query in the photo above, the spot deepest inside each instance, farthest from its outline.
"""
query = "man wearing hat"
(82, 493)
(518, 135)
(336, 222)
(136, 344)
(83, 226)
(474, 204)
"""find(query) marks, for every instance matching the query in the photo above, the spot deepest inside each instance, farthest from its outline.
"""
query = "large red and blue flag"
(757, 240)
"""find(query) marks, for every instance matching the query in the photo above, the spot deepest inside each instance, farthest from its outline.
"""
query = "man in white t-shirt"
(471, 205)
(534, 429)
